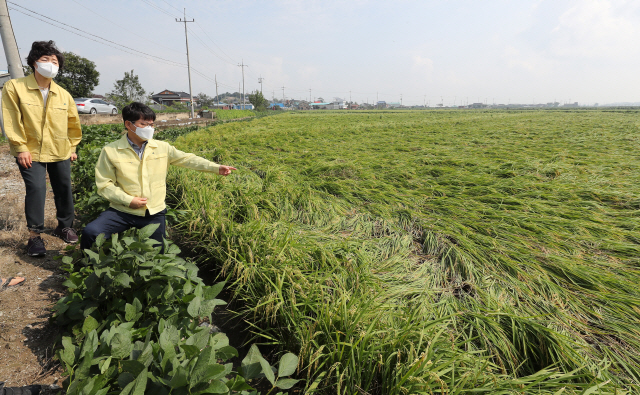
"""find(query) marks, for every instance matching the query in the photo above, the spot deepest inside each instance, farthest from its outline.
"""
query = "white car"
(94, 106)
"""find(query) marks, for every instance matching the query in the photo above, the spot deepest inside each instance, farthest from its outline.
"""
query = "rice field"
(430, 252)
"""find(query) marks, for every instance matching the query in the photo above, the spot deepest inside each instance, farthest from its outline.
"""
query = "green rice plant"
(506, 239)
(234, 114)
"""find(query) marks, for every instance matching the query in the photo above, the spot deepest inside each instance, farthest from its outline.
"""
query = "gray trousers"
(35, 182)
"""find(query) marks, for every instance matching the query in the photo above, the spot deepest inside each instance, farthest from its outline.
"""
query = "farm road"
(26, 336)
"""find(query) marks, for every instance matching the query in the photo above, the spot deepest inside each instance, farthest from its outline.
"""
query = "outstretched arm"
(191, 161)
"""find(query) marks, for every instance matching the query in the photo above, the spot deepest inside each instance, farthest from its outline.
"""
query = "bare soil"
(27, 338)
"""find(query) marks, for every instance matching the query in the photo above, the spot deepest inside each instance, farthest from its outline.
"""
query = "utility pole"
(217, 98)
(401, 100)
(260, 79)
(243, 66)
(9, 43)
(310, 101)
(188, 63)
(349, 99)
(283, 95)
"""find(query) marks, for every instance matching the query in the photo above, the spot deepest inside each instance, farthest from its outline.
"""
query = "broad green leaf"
(137, 304)
(194, 307)
(138, 386)
(218, 341)
(226, 352)
(238, 383)
(122, 280)
(188, 287)
(268, 372)
(216, 387)
(90, 343)
(82, 371)
(133, 367)
(288, 364)
(169, 337)
(104, 365)
(206, 359)
(199, 339)
(125, 379)
(179, 378)
(147, 231)
(120, 346)
(190, 350)
(68, 356)
(213, 291)
(147, 355)
(285, 384)
(250, 366)
(129, 312)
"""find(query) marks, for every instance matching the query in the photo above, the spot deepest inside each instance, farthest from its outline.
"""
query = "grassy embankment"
(431, 251)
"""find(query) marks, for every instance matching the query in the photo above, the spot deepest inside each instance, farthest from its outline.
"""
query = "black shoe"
(26, 390)
(35, 247)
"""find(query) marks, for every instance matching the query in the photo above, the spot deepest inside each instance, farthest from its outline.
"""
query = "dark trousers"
(35, 182)
(113, 221)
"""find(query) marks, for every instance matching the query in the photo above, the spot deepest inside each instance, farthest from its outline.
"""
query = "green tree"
(79, 75)
(127, 90)
(258, 101)
(204, 100)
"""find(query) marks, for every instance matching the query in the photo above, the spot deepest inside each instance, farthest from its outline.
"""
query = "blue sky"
(423, 51)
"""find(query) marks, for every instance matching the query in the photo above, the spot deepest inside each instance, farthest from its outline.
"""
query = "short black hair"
(42, 48)
(136, 111)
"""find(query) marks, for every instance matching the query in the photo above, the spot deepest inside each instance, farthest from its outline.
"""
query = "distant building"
(240, 106)
(321, 106)
(168, 97)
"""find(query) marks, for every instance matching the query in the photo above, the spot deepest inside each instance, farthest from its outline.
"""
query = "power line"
(124, 28)
(157, 8)
(208, 48)
(101, 38)
(170, 63)
(214, 43)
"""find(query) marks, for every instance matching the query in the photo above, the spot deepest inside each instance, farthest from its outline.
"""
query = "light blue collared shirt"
(138, 150)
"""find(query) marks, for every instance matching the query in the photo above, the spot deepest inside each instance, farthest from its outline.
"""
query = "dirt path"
(26, 336)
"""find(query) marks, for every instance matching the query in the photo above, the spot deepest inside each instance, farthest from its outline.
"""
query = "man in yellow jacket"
(42, 125)
(131, 174)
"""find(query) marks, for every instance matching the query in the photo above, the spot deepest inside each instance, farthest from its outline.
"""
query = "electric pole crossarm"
(188, 62)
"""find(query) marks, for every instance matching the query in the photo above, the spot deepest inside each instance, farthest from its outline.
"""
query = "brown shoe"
(67, 234)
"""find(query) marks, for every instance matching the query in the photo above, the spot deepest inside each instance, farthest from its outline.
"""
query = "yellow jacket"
(121, 175)
(51, 134)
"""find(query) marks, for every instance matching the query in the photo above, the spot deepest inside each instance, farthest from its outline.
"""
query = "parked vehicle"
(94, 106)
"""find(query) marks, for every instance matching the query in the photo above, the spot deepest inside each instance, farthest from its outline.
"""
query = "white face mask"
(144, 133)
(47, 70)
